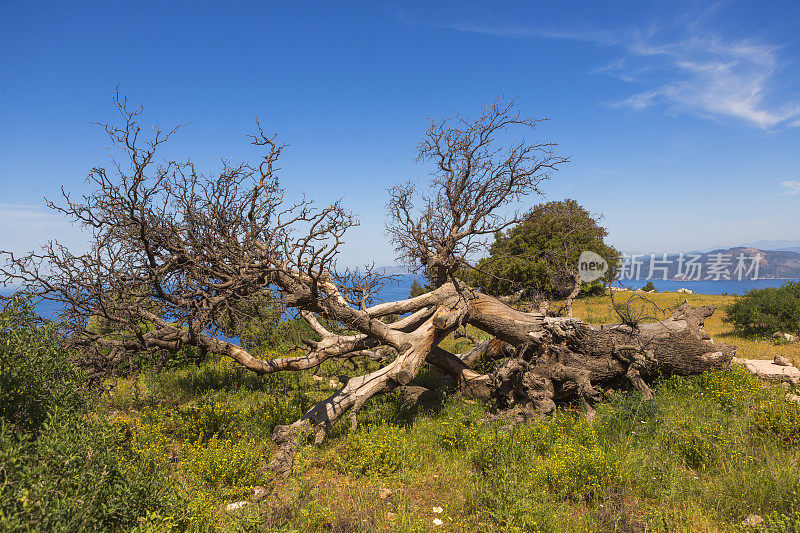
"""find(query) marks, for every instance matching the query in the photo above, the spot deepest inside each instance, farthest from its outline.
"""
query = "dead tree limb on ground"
(175, 254)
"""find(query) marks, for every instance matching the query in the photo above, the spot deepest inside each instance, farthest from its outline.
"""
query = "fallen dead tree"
(177, 255)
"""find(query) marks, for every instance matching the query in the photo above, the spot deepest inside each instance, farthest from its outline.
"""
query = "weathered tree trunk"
(569, 359)
(552, 360)
(576, 289)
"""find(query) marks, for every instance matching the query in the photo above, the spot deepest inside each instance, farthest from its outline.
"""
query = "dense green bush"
(418, 289)
(73, 478)
(34, 373)
(61, 467)
(595, 288)
(531, 254)
(765, 311)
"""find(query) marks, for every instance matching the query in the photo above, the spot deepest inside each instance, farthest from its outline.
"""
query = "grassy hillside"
(706, 454)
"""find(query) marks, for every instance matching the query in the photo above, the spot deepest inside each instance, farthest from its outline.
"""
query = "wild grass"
(704, 455)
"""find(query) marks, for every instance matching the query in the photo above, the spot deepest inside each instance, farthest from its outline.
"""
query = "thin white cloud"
(22, 211)
(533, 33)
(714, 78)
(25, 227)
(792, 187)
(687, 70)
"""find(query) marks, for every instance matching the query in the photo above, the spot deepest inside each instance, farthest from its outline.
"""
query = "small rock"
(317, 378)
(781, 361)
(259, 493)
(766, 369)
(391, 516)
(793, 398)
(437, 522)
(785, 336)
(386, 494)
(235, 506)
(334, 383)
(437, 510)
(752, 521)
(687, 291)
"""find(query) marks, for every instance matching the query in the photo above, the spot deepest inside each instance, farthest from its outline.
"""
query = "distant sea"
(707, 287)
(400, 289)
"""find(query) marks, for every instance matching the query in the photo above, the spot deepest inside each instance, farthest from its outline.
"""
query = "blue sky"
(682, 121)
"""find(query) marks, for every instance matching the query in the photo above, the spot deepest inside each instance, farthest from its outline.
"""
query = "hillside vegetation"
(168, 450)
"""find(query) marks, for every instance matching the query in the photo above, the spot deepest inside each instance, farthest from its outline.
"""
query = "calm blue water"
(400, 290)
(706, 287)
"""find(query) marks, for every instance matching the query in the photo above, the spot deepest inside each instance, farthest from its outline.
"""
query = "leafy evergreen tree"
(541, 253)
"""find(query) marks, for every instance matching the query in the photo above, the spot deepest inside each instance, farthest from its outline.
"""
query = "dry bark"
(555, 360)
(574, 360)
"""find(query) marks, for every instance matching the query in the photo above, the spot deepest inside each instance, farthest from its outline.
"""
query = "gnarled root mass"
(579, 361)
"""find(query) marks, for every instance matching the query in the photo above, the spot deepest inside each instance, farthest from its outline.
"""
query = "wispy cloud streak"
(685, 70)
(792, 187)
(22, 211)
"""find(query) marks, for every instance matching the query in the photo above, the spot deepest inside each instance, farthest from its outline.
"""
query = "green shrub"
(532, 253)
(765, 311)
(63, 469)
(35, 375)
(595, 288)
(71, 478)
(417, 289)
(649, 287)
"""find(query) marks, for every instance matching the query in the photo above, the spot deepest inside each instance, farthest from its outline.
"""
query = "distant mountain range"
(393, 270)
(783, 245)
(779, 245)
